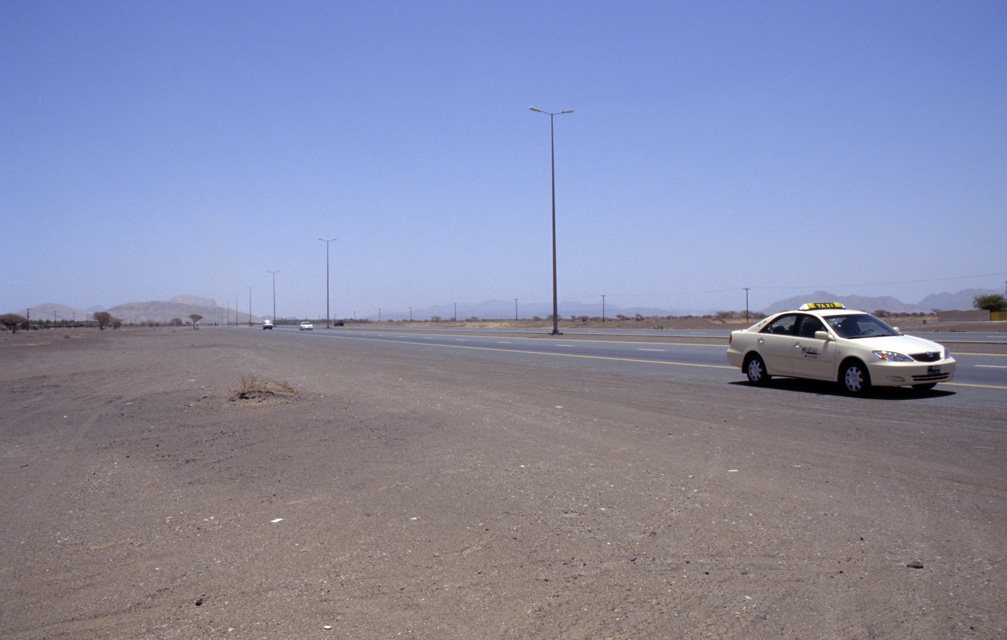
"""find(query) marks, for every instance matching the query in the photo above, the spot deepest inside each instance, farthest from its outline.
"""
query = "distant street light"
(552, 154)
(274, 294)
(236, 309)
(249, 305)
(746, 303)
(327, 278)
(515, 309)
(603, 308)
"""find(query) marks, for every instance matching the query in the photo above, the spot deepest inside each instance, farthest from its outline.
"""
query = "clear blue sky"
(150, 149)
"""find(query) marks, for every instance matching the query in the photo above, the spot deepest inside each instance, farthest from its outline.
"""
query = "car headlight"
(891, 356)
(947, 353)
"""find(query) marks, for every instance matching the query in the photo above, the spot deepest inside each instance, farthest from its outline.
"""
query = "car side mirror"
(897, 330)
(823, 335)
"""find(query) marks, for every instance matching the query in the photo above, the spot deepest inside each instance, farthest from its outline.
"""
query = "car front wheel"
(854, 378)
(755, 369)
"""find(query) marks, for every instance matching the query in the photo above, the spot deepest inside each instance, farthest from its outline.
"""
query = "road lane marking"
(976, 386)
(609, 358)
(546, 353)
(992, 366)
(661, 350)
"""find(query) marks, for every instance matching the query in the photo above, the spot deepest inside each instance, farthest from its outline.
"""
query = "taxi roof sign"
(810, 306)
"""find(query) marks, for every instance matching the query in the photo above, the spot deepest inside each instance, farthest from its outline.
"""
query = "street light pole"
(274, 294)
(603, 308)
(249, 305)
(327, 278)
(552, 154)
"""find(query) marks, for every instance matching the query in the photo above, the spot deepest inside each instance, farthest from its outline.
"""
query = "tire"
(755, 369)
(854, 379)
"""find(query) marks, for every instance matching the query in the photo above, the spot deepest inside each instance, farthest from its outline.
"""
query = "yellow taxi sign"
(810, 306)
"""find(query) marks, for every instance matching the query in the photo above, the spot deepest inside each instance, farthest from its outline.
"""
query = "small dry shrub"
(253, 387)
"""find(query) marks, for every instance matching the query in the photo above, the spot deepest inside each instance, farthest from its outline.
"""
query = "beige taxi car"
(826, 341)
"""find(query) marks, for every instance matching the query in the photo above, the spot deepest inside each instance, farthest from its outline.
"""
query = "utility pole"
(327, 278)
(603, 308)
(249, 305)
(274, 295)
(746, 303)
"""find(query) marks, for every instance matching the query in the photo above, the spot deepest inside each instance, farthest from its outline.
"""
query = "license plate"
(934, 370)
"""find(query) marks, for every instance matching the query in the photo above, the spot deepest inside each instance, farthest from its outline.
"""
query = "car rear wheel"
(755, 369)
(854, 378)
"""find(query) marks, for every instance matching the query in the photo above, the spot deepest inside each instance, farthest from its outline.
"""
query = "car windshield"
(860, 325)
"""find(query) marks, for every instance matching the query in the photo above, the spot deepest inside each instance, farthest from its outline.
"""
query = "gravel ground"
(375, 492)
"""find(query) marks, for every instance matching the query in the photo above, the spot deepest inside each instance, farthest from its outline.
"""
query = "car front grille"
(931, 377)
(929, 356)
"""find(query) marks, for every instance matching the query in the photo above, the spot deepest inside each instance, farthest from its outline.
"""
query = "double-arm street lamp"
(327, 278)
(552, 154)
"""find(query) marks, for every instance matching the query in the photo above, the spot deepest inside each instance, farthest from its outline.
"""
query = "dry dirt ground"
(373, 492)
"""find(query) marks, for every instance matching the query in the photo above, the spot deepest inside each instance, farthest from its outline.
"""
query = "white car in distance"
(826, 341)
(306, 326)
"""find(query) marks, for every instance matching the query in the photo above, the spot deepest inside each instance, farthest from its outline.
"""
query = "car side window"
(809, 325)
(782, 326)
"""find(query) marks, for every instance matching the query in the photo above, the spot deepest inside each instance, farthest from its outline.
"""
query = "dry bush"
(253, 387)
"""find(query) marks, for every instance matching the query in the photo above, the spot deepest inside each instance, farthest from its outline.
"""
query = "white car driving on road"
(306, 326)
(826, 341)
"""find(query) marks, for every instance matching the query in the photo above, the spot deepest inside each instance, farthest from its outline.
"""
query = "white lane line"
(992, 366)
(504, 342)
(661, 350)
(564, 345)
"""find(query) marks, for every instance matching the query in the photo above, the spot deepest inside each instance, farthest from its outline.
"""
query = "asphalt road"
(981, 377)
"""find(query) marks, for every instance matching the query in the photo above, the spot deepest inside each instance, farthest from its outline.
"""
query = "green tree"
(195, 317)
(990, 302)
(12, 321)
(103, 318)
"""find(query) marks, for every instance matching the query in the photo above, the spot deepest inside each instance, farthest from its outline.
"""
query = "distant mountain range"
(185, 305)
(140, 312)
(961, 300)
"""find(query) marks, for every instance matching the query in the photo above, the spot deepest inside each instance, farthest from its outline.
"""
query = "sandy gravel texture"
(422, 494)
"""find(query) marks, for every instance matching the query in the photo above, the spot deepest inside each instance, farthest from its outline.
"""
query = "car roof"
(820, 309)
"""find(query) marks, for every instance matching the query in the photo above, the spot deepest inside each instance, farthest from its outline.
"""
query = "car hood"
(900, 344)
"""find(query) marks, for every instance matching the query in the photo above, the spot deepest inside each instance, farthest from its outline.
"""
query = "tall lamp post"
(249, 305)
(327, 278)
(274, 294)
(552, 154)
